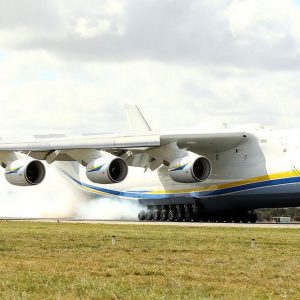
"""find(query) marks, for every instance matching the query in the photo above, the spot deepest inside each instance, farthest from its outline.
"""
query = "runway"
(153, 223)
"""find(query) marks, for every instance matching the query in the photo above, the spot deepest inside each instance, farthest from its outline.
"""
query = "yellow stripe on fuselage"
(213, 187)
(91, 190)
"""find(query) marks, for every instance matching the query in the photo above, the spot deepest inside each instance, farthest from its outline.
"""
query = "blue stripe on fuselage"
(220, 192)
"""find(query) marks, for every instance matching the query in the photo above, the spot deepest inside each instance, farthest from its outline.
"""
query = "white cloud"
(267, 26)
(270, 19)
(51, 96)
(86, 29)
(246, 34)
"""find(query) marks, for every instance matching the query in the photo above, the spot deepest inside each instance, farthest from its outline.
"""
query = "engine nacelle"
(107, 169)
(190, 169)
(25, 172)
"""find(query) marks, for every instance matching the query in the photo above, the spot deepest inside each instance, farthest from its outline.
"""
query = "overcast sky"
(70, 65)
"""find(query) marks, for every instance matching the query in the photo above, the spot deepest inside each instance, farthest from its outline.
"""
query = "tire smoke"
(56, 197)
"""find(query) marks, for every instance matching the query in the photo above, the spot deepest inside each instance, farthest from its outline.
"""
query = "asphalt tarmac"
(145, 223)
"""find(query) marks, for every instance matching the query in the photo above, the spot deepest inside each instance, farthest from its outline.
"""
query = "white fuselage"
(262, 168)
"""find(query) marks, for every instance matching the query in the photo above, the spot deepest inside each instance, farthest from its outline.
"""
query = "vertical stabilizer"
(136, 120)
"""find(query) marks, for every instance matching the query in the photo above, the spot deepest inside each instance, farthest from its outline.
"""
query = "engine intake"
(190, 169)
(25, 172)
(107, 169)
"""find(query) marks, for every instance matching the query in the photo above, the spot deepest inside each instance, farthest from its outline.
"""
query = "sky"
(71, 66)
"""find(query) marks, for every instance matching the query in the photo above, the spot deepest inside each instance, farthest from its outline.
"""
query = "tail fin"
(136, 120)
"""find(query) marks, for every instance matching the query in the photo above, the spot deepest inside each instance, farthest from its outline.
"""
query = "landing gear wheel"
(149, 215)
(156, 214)
(142, 215)
(187, 214)
(253, 217)
(179, 213)
(221, 219)
(245, 219)
(196, 213)
(204, 219)
(196, 217)
(163, 214)
(171, 215)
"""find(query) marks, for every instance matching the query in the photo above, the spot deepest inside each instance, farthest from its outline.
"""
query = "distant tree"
(297, 216)
(265, 214)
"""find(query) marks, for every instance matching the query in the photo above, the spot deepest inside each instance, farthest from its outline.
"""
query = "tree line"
(265, 214)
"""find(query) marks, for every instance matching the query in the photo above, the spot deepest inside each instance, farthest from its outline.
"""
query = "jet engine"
(25, 172)
(190, 169)
(107, 169)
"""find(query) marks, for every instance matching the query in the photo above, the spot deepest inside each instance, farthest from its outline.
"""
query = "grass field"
(67, 261)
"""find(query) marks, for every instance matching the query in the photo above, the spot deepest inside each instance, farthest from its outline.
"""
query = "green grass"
(67, 261)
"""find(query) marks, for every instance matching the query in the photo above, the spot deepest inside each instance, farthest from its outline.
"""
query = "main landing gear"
(189, 212)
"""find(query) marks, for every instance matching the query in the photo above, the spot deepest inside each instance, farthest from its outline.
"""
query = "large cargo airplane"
(217, 175)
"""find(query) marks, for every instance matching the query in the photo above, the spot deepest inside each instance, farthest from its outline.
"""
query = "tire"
(171, 215)
(156, 214)
(179, 214)
(164, 214)
(142, 215)
(149, 215)
(196, 217)
(187, 214)
(253, 218)
(227, 219)
(204, 219)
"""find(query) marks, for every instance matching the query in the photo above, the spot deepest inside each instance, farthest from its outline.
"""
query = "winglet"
(136, 120)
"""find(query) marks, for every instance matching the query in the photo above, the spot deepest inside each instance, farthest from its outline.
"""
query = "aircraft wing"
(40, 147)
(207, 142)
(103, 142)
